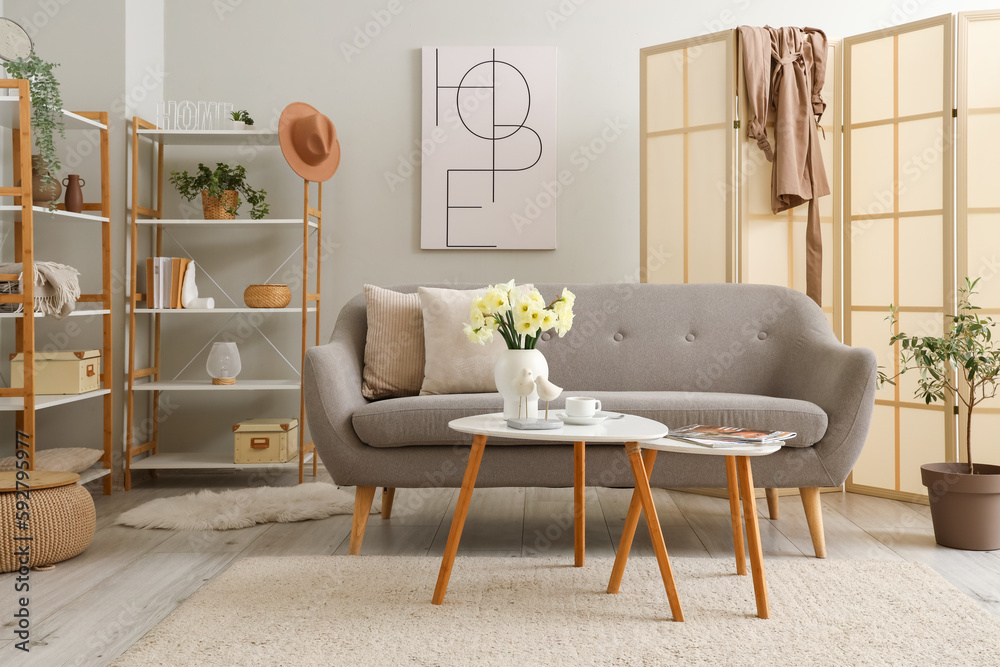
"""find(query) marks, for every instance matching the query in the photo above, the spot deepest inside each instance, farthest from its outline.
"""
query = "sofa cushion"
(394, 346)
(452, 363)
(423, 420)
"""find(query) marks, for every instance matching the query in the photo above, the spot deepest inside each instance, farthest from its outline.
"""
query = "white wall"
(267, 54)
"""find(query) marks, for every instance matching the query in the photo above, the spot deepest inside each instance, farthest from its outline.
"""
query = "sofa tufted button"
(618, 337)
(546, 336)
(761, 335)
(689, 338)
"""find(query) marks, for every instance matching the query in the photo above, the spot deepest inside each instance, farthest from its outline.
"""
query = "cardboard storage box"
(67, 372)
(266, 440)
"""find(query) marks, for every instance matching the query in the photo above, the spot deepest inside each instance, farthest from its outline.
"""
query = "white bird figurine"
(547, 392)
(524, 385)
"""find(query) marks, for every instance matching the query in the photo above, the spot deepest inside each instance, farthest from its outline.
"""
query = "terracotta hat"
(308, 142)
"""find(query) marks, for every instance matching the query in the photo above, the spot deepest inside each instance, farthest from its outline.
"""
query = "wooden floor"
(91, 608)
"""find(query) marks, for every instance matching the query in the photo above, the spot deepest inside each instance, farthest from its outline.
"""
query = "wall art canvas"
(488, 148)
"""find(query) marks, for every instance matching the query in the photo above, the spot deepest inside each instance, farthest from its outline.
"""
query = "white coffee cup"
(582, 406)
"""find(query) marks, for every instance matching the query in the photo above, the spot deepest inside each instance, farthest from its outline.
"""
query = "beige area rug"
(376, 610)
(242, 508)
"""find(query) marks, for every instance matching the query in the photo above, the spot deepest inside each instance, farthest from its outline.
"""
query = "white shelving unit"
(150, 381)
(220, 311)
(15, 114)
(206, 385)
(208, 461)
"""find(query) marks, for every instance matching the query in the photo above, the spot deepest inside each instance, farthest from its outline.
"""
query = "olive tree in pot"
(964, 364)
(220, 191)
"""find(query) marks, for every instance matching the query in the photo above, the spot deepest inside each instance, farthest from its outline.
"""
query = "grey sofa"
(752, 355)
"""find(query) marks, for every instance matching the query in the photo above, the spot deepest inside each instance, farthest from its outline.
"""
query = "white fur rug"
(376, 610)
(242, 508)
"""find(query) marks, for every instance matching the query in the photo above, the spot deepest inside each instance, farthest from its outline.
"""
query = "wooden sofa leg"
(388, 493)
(772, 503)
(814, 517)
(363, 497)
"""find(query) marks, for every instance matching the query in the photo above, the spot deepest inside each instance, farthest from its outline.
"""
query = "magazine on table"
(727, 436)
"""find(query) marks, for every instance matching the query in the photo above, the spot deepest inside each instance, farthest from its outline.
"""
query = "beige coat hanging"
(784, 70)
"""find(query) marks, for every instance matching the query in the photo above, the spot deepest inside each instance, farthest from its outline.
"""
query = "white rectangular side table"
(739, 479)
(630, 429)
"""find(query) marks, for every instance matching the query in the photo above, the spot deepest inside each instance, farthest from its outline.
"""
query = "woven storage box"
(270, 295)
(67, 372)
(215, 207)
(266, 440)
(61, 523)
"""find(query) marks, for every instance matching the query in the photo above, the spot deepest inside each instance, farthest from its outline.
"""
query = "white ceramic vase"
(506, 372)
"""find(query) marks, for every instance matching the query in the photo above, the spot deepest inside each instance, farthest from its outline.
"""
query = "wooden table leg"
(732, 479)
(653, 523)
(753, 536)
(579, 502)
(631, 523)
(458, 522)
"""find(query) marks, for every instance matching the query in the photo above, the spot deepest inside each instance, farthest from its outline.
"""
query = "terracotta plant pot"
(42, 195)
(215, 207)
(965, 508)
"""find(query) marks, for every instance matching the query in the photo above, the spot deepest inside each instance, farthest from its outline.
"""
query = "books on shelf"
(727, 436)
(164, 280)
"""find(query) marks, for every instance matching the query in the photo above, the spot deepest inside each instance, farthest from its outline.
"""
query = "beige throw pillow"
(63, 459)
(394, 348)
(454, 365)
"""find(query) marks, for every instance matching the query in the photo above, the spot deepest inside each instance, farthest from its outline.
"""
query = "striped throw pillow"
(394, 348)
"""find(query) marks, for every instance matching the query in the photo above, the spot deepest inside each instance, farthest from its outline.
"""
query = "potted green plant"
(241, 119)
(46, 120)
(964, 364)
(220, 191)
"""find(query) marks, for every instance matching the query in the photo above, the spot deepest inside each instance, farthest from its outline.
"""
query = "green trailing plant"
(241, 115)
(964, 363)
(216, 182)
(46, 109)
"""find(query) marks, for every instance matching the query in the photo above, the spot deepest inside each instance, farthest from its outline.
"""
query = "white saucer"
(583, 421)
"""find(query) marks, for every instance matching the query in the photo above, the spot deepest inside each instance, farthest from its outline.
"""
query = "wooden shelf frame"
(25, 214)
(146, 381)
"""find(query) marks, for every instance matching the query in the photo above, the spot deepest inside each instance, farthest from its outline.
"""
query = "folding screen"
(898, 247)
(897, 242)
(977, 191)
(772, 246)
(687, 160)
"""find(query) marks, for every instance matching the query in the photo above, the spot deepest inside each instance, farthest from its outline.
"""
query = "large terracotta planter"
(965, 508)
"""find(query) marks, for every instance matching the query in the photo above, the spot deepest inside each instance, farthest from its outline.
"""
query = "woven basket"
(267, 296)
(62, 525)
(215, 207)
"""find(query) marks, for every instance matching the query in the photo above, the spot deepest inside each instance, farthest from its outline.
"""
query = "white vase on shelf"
(506, 372)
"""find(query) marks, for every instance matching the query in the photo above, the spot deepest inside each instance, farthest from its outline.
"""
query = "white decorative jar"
(508, 370)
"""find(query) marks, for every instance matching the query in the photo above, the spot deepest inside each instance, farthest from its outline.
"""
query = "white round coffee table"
(629, 429)
(739, 479)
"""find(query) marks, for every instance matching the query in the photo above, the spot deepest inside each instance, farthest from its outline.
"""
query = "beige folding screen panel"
(899, 226)
(978, 191)
(687, 160)
(772, 246)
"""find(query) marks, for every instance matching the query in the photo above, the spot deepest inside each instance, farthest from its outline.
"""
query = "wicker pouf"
(59, 518)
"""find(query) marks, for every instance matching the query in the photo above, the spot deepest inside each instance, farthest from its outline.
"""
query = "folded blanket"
(57, 287)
